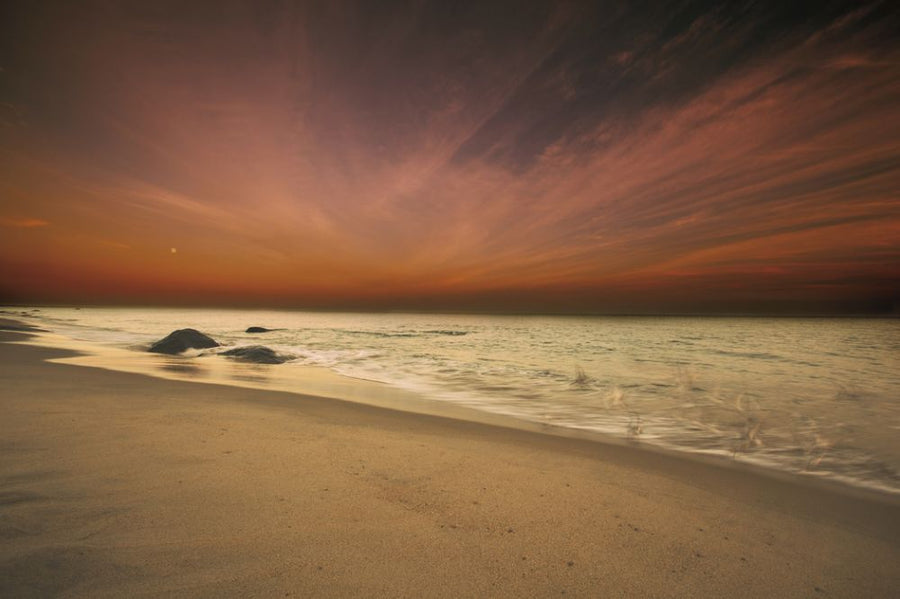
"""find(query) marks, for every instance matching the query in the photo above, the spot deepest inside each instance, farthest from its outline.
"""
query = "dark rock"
(257, 330)
(258, 354)
(181, 340)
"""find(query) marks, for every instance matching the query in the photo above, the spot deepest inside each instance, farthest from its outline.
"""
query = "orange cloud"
(294, 166)
(22, 223)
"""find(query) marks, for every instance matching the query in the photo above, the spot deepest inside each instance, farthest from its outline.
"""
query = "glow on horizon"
(347, 157)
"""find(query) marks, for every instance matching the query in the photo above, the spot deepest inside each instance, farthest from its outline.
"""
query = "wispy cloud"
(357, 151)
(22, 223)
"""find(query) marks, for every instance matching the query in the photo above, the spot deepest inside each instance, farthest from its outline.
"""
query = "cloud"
(355, 150)
(22, 223)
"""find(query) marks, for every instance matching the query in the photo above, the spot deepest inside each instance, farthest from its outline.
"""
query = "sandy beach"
(122, 485)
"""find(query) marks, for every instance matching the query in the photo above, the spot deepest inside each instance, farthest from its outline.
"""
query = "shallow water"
(813, 396)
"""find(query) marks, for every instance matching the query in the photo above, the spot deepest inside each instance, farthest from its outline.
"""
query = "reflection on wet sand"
(293, 378)
(252, 373)
(182, 367)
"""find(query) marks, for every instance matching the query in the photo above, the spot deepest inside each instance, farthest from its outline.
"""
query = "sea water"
(814, 396)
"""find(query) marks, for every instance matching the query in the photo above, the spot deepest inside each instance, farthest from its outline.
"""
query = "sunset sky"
(509, 156)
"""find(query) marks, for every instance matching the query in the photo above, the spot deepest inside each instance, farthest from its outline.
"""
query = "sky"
(599, 157)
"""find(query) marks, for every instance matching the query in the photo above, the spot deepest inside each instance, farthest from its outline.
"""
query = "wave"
(751, 355)
(424, 333)
(377, 333)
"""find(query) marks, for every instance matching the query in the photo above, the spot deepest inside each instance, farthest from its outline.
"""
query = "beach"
(122, 485)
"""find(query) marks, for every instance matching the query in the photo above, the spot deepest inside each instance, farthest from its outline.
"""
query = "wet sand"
(119, 485)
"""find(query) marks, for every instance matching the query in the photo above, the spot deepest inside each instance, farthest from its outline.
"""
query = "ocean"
(811, 396)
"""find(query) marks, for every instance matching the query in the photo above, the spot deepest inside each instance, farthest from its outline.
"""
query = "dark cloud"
(616, 61)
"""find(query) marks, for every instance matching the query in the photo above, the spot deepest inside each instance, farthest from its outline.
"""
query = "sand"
(122, 485)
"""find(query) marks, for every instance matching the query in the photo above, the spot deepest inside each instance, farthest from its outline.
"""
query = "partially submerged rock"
(181, 340)
(258, 354)
(257, 330)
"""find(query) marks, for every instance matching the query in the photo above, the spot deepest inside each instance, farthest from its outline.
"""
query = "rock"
(257, 330)
(258, 354)
(181, 340)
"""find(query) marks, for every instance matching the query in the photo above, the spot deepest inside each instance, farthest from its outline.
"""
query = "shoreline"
(335, 387)
(118, 484)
